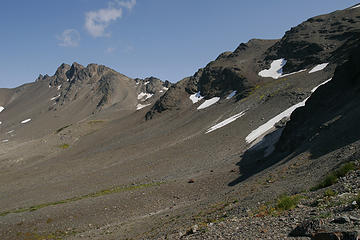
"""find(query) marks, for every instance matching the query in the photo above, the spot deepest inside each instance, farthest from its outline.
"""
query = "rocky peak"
(74, 70)
(315, 40)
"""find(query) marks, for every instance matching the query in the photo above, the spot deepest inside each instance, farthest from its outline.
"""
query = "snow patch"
(275, 70)
(319, 67)
(208, 103)
(0, 123)
(161, 91)
(146, 83)
(5, 140)
(260, 131)
(196, 97)
(233, 93)
(225, 122)
(140, 106)
(49, 86)
(11, 131)
(314, 89)
(58, 88)
(53, 98)
(355, 6)
(288, 74)
(67, 80)
(165, 88)
(144, 96)
(26, 120)
(1, 108)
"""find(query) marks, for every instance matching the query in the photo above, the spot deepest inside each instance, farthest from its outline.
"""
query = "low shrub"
(286, 202)
(333, 176)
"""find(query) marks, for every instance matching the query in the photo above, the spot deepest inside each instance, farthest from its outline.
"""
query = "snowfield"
(140, 106)
(196, 97)
(53, 98)
(1, 108)
(260, 131)
(144, 95)
(233, 93)
(288, 74)
(208, 103)
(225, 122)
(275, 70)
(319, 67)
(26, 121)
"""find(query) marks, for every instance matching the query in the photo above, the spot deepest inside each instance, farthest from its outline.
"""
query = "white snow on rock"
(314, 89)
(53, 98)
(161, 91)
(225, 122)
(233, 93)
(275, 70)
(144, 96)
(196, 97)
(355, 6)
(26, 120)
(11, 131)
(288, 74)
(1, 108)
(140, 106)
(260, 131)
(146, 83)
(67, 80)
(0, 123)
(319, 67)
(208, 103)
(270, 124)
(5, 140)
(165, 88)
(58, 88)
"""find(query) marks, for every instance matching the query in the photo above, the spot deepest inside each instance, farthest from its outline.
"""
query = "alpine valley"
(261, 143)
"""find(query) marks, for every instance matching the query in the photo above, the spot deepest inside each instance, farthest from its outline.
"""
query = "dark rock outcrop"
(332, 111)
(315, 40)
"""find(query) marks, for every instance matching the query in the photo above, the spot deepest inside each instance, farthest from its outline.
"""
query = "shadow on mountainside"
(329, 121)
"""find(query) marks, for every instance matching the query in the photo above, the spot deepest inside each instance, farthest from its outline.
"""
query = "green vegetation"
(333, 177)
(286, 202)
(329, 193)
(64, 146)
(60, 129)
(74, 199)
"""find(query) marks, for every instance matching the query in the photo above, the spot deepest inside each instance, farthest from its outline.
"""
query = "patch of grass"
(286, 202)
(329, 193)
(60, 129)
(345, 168)
(78, 198)
(333, 176)
(64, 146)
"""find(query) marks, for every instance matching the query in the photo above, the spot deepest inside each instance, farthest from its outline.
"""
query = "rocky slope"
(321, 39)
(330, 115)
(79, 161)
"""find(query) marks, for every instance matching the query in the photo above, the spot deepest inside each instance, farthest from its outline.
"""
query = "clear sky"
(168, 39)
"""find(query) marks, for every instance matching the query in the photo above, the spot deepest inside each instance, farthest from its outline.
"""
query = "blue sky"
(168, 39)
